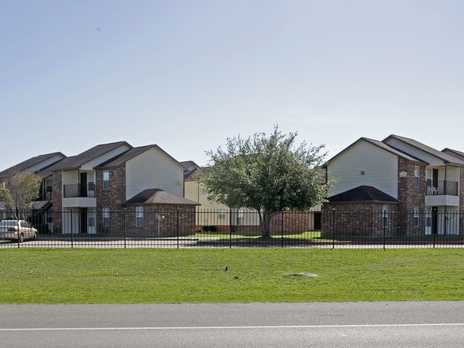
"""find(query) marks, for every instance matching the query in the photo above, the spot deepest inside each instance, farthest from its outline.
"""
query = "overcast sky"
(187, 74)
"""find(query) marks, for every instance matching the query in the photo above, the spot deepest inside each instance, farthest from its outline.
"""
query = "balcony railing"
(443, 188)
(78, 190)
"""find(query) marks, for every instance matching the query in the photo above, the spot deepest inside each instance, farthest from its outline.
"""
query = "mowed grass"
(252, 275)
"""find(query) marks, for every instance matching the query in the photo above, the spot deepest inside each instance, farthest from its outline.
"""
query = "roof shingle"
(29, 163)
(363, 194)
(77, 161)
(158, 196)
(428, 149)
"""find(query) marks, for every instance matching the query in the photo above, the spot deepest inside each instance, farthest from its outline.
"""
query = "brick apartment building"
(398, 187)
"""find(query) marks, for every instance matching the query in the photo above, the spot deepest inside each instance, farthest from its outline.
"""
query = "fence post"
(434, 238)
(124, 231)
(72, 232)
(333, 228)
(282, 228)
(19, 231)
(384, 219)
(230, 228)
(177, 227)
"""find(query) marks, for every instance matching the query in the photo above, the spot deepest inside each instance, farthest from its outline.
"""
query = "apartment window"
(106, 217)
(106, 180)
(385, 214)
(416, 171)
(139, 216)
(416, 217)
(91, 221)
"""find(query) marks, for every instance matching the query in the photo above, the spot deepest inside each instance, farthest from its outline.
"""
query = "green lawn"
(160, 276)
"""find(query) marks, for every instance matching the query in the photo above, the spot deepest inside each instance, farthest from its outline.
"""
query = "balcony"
(79, 196)
(78, 190)
(443, 193)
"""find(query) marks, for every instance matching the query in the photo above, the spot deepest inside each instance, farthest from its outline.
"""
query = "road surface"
(381, 324)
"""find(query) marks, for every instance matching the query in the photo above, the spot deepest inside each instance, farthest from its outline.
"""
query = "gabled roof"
(380, 145)
(29, 163)
(430, 150)
(454, 153)
(77, 161)
(189, 168)
(363, 194)
(158, 196)
(132, 153)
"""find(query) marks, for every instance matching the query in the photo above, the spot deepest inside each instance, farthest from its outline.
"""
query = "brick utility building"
(112, 188)
(396, 187)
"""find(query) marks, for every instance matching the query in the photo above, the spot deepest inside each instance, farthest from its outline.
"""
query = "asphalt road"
(381, 324)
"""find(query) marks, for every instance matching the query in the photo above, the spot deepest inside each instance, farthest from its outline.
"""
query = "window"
(416, 217)
(385, 212)
(106, 180)
(138, 216)
(106, 217)
(416, 171)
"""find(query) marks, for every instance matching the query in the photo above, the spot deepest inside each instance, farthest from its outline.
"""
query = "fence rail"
(172, 228)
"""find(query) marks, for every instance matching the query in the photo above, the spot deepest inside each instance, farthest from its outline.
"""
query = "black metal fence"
(200, 228)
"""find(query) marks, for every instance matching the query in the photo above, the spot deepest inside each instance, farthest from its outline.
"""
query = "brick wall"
(113, 198)
(358, 220)
(411, 194)
(56, 202)
(161, 221)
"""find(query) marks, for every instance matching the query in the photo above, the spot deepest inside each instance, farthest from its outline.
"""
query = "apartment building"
(109, 188)
(398, 186)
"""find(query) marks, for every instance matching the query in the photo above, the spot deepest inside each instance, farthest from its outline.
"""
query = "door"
(434, 220)
(435, 179)
(91, 217)
(83, 220)
(317, 221)
(83, 188)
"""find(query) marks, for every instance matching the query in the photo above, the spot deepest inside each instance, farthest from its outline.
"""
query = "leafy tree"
(24, 188)
(269, 173)
(5, 197)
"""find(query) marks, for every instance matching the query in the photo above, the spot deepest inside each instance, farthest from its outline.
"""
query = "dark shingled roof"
(18, 168)
(157, 196)
(455, 153)
(363, 194)
(380, 145)
(132, 153)
(77, 161)
(124, 157)
(189, 168)
(430, 150)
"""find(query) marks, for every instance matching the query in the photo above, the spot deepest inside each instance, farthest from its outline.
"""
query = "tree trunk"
(266, 225)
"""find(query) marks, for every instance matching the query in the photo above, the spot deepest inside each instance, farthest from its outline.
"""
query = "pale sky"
(187, 74)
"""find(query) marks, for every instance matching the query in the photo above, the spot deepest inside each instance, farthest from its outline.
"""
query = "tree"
(5, 197)
(24, 188)
(269, 173)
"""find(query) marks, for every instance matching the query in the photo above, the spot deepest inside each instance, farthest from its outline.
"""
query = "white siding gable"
(380, 169)
(153, 169)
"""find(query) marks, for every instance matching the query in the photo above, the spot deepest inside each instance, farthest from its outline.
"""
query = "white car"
(17, 230)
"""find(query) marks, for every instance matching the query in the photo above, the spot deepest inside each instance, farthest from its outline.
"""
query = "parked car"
(17, 230)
